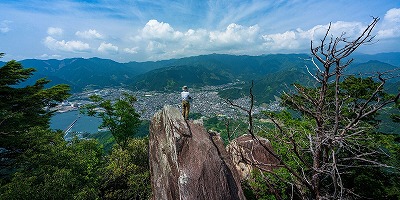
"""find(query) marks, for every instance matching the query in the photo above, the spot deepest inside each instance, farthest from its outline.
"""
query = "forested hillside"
(169, 75)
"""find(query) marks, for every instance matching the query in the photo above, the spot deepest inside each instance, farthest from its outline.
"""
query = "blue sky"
(149, 30)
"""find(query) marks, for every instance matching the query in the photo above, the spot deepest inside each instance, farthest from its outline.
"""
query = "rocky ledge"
(187, 162)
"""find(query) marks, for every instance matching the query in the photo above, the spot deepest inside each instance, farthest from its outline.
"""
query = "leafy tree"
(396, 117)
(127, 174)
(51, 168)
(38, 163)
(120, 117)
(22, 108)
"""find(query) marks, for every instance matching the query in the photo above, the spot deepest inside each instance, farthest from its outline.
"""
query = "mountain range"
(271, 73)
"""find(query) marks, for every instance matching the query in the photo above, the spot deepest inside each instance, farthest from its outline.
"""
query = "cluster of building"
(206, 101)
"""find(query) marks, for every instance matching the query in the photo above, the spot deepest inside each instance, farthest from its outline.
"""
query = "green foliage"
(51, 168)
(292, 142)
(279, 183)
(268, 87)
(396, 116)
(373, 182)
(119, 117)
(44, 166)
(23, 107)
(13, 73)
(195, 116)
(107, 140)
(270, 186)
(173, 77)
(236, 128)
(296, 129)
(354, 92)
(127, 174)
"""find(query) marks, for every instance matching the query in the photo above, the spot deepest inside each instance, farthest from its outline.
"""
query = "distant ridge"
(196, 71)
(392, 58)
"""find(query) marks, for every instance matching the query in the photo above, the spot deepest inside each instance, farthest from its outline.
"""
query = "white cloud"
(133, 50)
(235, 34)
(4, 28)
(69, 46)
(55, 31)
(195, 39)
(46, 56)
(156, 47)
(286, 40)
(159, 40)
(160, 30)
(388, 33)
(198, 36)
(393, 15)
(89, 34)
(299, 40)
(107, 48)
(390, 25)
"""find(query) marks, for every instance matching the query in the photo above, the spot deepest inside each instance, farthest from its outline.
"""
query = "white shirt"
(185, 96)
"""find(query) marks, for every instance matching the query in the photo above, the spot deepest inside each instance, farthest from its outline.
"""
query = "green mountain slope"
(217, 69)
(370, 67)
(193, 71)
(392, 58)
(172, 78)
(271, 85)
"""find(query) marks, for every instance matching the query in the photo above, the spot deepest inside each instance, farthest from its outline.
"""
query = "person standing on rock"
(186, 98)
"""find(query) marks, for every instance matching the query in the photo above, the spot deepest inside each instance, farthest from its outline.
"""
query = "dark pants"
(185, 109)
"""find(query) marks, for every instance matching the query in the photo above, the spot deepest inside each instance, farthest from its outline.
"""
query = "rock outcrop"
(187, 162)
(247, 153)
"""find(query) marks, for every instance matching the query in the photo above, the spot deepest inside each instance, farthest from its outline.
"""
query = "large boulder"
(250, 153)
(187, 162)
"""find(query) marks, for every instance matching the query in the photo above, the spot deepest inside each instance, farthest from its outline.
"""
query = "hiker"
(185, 102)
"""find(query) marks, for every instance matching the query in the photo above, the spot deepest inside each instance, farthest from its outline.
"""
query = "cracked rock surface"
(187, 162)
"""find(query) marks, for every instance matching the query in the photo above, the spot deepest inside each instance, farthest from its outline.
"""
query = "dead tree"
(280, 162)
(335, 131)
(248, 111)
(320, 157)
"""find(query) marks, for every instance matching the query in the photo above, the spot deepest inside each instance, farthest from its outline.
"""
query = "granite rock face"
(187, 162)
(248, 154)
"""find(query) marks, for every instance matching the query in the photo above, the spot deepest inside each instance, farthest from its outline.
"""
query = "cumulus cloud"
(160, 31)
(195, 40)
(107, 48)
(69, 46)
(299, 40)
(4, 28)
(390, 25)
(161, 38)
(89, 34)
(161, 41)
(156, 47)
(286, 40)
(133, 50)
(235, 34)
(196, 36)
(393, 15)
